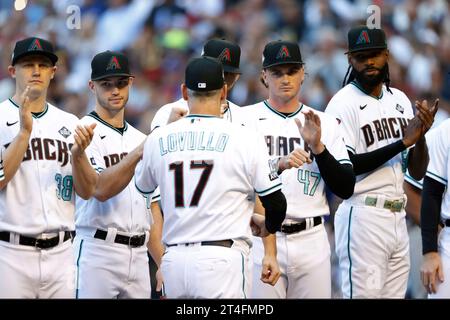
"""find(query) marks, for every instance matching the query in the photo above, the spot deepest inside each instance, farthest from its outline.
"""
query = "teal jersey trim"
(266, 103)
(145, 193)
(278, 186)
(35, 115)
(345, 161)
(243, 275)
(348, 253)
(78, 269)
(351, 149)
(96, 117)
(437, 178)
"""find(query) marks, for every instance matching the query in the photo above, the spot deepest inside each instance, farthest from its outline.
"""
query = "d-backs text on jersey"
(282, 146)
(384, 128)
(47, 149)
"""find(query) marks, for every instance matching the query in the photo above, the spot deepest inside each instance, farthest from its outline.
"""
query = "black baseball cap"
(109, 64)
(228, 53)
(362, 38)
(281, 52)
(204, 74)
(31, 46)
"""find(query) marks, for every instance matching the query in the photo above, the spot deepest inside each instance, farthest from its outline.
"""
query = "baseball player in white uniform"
(435, 209)
(112, 218)
(206, 223)
(307, 147)
(228, 53)
(370, 230)
(37, 197)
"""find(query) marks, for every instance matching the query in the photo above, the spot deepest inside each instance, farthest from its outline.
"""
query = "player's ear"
(91, 85)
(184, 92)
(262, 78)
(12, 71)
(130, 81)
(53, 73)
(302, 74)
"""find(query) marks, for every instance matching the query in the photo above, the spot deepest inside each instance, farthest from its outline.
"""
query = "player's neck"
(373, 91)
(204, 107)
(282, 106)
(114, 118)
(37, 104)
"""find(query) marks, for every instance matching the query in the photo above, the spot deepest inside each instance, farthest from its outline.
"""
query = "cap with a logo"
(281, 52)
(31, 46)
(204, 74)
(362, 38)
(228, 53)
(109, 64)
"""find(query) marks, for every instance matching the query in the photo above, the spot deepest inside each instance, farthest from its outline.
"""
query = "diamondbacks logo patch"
(64, 132)
(225, 55)
(35, 45)
(363, 38)
(113, 64)
(283, 53)
(400, 108)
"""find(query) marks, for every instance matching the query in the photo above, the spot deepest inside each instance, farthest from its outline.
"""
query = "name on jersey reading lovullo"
(193, 140)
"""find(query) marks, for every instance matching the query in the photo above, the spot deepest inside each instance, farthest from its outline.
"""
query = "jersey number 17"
(177, 167)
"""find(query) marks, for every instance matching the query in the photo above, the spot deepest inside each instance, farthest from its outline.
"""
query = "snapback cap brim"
(282, 62)
(53, 57)
(366, 49)
(112, 75)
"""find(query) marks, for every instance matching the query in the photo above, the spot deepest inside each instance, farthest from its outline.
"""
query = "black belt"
(133, 241)
(298, 227)
(38, 243)
(447, 223)
(220, 243)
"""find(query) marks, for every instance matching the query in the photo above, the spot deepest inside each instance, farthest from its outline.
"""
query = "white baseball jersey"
(208, 170)
(369, 123)
(127, 211)
(369, 267)
(162, 115)
(40, 197)
(304, 187)
(439, 165)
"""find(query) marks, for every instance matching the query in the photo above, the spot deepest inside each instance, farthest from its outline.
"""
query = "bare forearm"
(13, 156)
(84, 176)
(155, 246)
(270, 245)
(115, 178)
(418, 159)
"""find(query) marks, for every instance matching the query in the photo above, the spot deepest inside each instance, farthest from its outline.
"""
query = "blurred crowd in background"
(160, 36)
